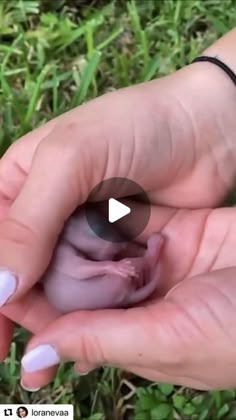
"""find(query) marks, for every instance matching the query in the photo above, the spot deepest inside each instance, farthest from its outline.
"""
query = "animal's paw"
(124, 268)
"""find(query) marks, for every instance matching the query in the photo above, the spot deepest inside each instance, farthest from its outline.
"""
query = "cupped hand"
(190, 156)
(186, 337)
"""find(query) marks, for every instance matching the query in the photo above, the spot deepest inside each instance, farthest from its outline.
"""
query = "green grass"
(54, 55)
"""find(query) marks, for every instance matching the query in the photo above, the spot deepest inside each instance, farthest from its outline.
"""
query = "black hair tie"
(219, 63)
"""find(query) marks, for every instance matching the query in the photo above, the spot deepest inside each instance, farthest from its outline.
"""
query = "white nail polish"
(8, 285)
(41, 357)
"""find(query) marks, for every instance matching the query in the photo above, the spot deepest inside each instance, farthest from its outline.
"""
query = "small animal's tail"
(151, 261)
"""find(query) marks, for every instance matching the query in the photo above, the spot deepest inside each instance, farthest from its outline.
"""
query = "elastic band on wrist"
(219, 63)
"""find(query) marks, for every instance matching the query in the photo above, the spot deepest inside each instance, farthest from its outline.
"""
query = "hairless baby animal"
(87, 272)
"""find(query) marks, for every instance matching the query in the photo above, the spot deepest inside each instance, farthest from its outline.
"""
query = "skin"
(74, 281)
(22, 412)
(177, 139)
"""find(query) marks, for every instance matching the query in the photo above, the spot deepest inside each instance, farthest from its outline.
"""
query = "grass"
(54, 55)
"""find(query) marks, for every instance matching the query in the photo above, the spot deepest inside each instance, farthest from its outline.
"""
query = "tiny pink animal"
(88, 272)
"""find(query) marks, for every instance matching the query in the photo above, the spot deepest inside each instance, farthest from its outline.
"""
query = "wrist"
(218, 84)
(224, 50)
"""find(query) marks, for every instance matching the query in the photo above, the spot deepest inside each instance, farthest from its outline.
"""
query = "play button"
(118, 210)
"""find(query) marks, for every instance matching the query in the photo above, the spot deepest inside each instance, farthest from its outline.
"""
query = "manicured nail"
(27, 388)
(7, 285)
(40, 357)
(84, 373)
(84, 370)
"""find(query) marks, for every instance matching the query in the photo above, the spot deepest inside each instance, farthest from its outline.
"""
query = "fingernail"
(27, 388)
(7, 285)
(40, 357)
(84, 370)
(83, 373)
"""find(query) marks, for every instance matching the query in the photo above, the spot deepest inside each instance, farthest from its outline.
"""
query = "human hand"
(30, 304)
(192, 168)
(187, 337)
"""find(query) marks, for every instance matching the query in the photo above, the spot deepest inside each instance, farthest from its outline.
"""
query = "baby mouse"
(87, 272)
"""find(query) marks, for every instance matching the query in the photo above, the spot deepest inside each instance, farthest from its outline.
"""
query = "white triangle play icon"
(116, 210)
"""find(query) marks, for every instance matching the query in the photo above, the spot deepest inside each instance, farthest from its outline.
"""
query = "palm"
(197, 317)
(197, 242)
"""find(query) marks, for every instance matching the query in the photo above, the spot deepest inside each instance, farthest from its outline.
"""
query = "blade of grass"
(74, 36)
(35, 96)
(95, 21)
(5, 86)
(48, 84)
(12, 72)
(55, 91)
(86, 79)
(140, 34)
(89, 39)
(114, 34)
(151, 68)
(8, 125)
(10, 51)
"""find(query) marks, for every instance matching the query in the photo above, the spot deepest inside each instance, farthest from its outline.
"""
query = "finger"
(150, 374)
(66, 165)
(32, 382)
(29, 232)
(16, 162)
(6, 328)
(33, 313)
(14, 166)
(182, 232)
(167, 337)
(88, 337)
(160, 377)
(34, 303)
(208, 302)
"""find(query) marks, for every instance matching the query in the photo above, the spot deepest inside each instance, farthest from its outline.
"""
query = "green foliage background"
(53, 56)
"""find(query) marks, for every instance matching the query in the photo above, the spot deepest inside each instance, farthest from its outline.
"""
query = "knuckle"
(19, 245)
(65, 146)
(17, 232)
(56, 145)
(66, 141)
(91, 350)
(175, 336)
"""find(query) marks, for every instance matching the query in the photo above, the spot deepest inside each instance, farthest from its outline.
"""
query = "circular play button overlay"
(118, 210)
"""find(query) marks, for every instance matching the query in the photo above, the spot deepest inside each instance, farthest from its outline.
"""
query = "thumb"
(66, 166)
(163, 336)
(30, 230)
(114, 337)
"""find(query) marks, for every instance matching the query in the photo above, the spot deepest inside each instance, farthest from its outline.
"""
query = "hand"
(187, 338)
(191, 160)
